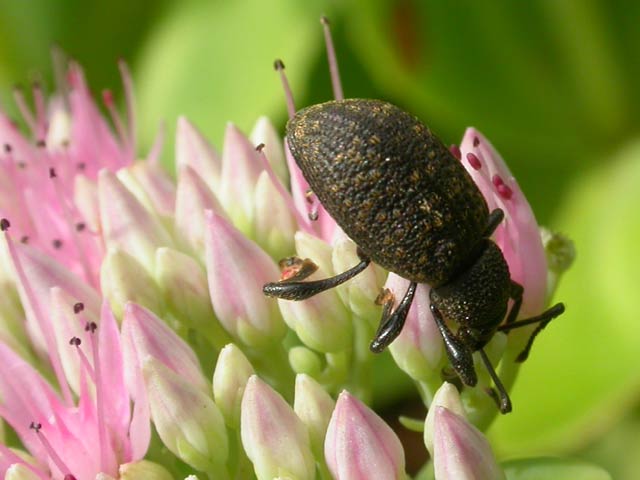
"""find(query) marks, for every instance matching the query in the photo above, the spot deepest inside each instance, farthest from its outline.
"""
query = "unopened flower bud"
(241, 167)
(193, 150)
(446, 396)
(321, 322)
(183, 283)
(237, 269)
(230, 377)
(124, 280)
(126, 224)
(193, 198)
(459, 450)
(144, 469)
(314, 407)
(274, 438)
(359, 293)
(19, 471)
(359, 445)
(187, 420)
(305, 360)
(274, 223)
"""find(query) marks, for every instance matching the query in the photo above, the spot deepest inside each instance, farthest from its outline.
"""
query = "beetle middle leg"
(296, 290)
(392, 321)
(459, 353)
(542, 320)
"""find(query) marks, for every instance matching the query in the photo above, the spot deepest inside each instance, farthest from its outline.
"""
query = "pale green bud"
(314, 407)
(183, 282)
(304, 360)
(230, 377)
(144, 469)
(187, 420)
(124, 280)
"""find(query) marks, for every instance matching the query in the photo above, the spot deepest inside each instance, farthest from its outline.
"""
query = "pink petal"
(518, 236)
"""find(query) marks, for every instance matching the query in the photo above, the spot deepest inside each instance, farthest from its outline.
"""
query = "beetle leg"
(516, 294)
(392, 322)
(459, 353)
(502, 398)
(289, 290)
(542, 320)
(495, 217)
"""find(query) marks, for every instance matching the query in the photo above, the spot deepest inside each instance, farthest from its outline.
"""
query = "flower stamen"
(55, 458)
(288, 95)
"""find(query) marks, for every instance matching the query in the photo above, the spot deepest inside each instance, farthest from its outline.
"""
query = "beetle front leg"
(392, 322)
(295, 290)
(495, 218)
(459, 353)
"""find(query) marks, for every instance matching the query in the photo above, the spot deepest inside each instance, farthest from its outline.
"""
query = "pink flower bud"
(360, 445)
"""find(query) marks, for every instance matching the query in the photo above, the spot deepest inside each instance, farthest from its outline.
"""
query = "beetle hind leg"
(501, 397)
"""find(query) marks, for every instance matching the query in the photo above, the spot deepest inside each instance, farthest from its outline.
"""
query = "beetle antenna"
(291, 107)
(333, 60)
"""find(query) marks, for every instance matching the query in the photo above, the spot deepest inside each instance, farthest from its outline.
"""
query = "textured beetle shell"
(392, 186)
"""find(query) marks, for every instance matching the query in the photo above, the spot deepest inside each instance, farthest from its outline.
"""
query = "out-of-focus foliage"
(553, 84)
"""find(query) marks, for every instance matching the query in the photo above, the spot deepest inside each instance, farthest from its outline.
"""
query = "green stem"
(272, 363)
(360, 381)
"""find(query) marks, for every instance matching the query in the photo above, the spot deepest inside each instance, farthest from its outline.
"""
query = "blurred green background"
(553, 84)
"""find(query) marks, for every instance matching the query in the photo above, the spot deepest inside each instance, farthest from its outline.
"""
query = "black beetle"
(411, 207)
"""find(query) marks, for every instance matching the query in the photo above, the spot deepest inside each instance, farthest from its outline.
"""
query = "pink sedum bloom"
(359, 445)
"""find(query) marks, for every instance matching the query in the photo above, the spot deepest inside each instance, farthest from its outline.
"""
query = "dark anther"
(278, 65)
(4, 224)
(81, 166)
(75, 341)
(52, 172)
(80, 226)
(57, 244)
(313, 216)
(476, 141)
(324, 20)
(78, 307)
(90, 327)
(259, 147)
(22, 165)
(7, 148)
(35, 426)
(70, 476)
(41, 143)
(24, 239)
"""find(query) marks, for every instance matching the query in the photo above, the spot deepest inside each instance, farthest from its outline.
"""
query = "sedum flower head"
(134, 305)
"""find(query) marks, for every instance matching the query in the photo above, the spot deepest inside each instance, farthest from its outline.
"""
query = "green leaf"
(213, 62)
(547, 96)
(553, 468)
(583, 373)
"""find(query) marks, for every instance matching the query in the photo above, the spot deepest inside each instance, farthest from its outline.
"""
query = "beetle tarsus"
(501, 396)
